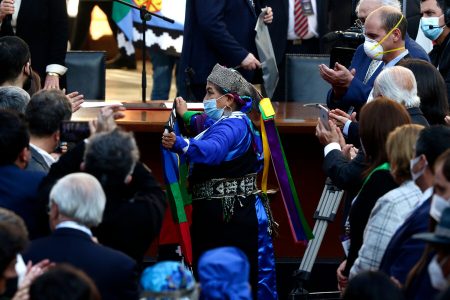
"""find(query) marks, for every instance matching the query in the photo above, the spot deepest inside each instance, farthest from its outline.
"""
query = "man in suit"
(433, 10)
(403, 252)
(43, 25)
(77, 202)
(45, 113)
(351, 87)
(221, 31)
(18, 189)
(286, 40)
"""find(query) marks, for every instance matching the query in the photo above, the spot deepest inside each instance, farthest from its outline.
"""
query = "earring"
(227, 111)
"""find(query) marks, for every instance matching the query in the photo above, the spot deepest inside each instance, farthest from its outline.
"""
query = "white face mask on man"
(438, 205)
(419, 173)
(438, 281)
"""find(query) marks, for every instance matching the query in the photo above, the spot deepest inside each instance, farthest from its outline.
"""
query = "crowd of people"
(76, 221)
(388, 146)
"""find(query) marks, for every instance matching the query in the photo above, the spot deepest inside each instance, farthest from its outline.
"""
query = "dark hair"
(390, 17)
(111, 156)
(64, 282)
(13, 136)
(35, 85)
(372, 286)
(444, 158)
(431, 89)
(377, 119)
(440, 3)
(14, 54)
(432, 142)
(45, 112)
(13, 237)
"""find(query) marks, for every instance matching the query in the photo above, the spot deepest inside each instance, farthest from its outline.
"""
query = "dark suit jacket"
(345, 174)
(415, 113)
(114, 273)
(133, 213)
(42, 24)
(413, 16)
(279, 28)
(37, 162)
(220, 31)
(358, 92)
(18, 192)
(440, 56)
(403, 252)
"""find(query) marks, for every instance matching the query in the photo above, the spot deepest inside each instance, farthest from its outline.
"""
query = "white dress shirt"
(312, 22)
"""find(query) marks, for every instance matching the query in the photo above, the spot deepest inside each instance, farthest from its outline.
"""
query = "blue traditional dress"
(228, 209)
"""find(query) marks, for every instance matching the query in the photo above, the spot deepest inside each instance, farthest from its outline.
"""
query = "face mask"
(374, 49)
(438, 204)
(418, 174)
(211, 109)
(435, 31)
(438, 281)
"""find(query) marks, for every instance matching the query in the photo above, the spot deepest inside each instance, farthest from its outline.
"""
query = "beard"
(27, 83)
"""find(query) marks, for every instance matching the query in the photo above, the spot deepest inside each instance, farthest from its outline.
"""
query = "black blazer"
(114, 273)
(440, 56)
(133, 214)
(42, 24)
(279, 27)
(219, 31)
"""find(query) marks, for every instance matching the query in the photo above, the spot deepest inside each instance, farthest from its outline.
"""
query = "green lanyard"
(384, 166)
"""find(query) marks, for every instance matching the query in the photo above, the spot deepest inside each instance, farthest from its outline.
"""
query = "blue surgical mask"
(211, 109)
(435, 31)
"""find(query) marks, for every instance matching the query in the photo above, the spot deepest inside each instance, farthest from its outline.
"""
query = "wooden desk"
(296, 125)
(291, 117)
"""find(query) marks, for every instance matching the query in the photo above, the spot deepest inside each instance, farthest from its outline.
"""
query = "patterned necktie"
(301, 21)
(374, 64)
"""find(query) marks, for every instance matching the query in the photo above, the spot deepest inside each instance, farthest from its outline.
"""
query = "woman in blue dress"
(225, 157)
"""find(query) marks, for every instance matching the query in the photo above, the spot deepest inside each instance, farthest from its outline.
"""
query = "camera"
(353, 35)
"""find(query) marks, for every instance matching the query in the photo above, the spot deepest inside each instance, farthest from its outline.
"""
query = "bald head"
(399, 84)
(388, 17)
(365, 7)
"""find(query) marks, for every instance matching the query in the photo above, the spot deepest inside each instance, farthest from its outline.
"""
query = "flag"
(175, 177)
(300, 229)
(121, 14)
(162, 34)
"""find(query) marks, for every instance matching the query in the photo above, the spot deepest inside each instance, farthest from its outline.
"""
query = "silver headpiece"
(232, 81)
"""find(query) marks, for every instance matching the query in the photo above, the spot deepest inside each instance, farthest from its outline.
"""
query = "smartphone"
(324, 116)
(74, 131)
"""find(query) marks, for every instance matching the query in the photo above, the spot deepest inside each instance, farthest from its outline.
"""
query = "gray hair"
(14, 98)
(393, 3)
(399, 84)
(111, 156)
(79, 196)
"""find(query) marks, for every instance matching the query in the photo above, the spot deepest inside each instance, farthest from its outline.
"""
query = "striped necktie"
(301, 21)
(374, 64)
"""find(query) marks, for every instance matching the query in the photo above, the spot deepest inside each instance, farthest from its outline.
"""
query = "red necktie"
(301, 21)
